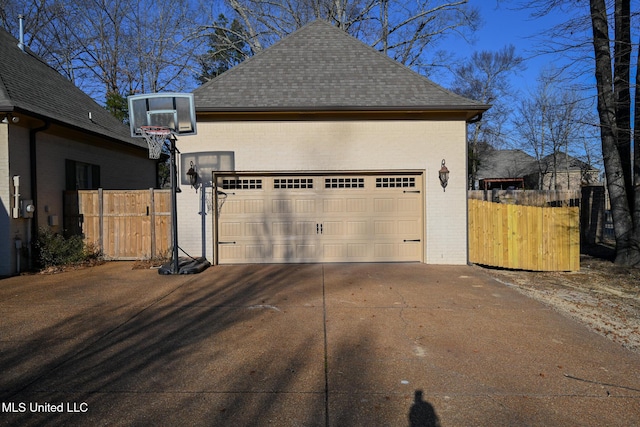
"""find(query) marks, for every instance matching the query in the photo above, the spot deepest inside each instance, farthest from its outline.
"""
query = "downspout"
(33, 168)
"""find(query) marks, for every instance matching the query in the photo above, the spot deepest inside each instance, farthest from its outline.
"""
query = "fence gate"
(123, 225)
(524, 237)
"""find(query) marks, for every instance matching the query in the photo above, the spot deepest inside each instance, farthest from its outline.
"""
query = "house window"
(396, 182)
(281, 183)
(344, 183)
(81, 176)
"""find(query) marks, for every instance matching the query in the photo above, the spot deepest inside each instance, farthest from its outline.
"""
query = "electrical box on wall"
(27, 208)
(53, 220)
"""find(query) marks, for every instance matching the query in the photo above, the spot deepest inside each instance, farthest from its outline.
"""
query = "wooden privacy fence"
(524, 237)
(122, 224)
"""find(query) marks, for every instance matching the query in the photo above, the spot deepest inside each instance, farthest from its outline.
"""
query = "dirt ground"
(603, 296)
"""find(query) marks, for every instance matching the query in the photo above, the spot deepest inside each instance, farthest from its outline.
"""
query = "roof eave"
(77, 128)
(471, 111)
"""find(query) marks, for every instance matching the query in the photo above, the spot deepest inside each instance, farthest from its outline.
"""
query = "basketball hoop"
(155, 137)
(158, 118)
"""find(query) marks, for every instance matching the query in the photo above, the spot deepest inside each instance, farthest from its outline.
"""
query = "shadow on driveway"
(316, 345)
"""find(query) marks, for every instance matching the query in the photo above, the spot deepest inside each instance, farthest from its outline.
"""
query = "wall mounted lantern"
(193, 176)
(444, 176)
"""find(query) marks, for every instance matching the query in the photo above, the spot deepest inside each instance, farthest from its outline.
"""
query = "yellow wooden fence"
(524, 237)
(122, 224)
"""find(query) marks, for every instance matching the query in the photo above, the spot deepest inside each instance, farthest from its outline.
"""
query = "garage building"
(322, 149)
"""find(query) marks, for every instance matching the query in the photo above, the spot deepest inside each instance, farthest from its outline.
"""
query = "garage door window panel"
(396, 182)
(292, 183)
(242, 184)
(343, 183)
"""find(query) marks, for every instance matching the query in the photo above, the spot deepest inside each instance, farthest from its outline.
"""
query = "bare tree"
(599, 37)
(614, 110)
(406, 31)
(554, 122)
(115, 47)
(485, 78)
(42, 30)
(530, 124)
(111, 48)
(165, 54)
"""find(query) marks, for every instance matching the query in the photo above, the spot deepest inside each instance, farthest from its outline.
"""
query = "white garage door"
(320, 218)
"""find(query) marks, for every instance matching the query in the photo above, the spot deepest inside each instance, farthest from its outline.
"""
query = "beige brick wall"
(119, 170)
(337, 146)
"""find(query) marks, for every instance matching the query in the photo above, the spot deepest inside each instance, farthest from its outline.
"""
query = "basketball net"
(222, 197)
(155, 137)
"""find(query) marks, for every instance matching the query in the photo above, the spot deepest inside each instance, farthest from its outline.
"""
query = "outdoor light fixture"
(193, 176)
(444, 176)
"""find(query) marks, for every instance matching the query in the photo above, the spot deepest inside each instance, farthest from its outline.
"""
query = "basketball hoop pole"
(175, 269)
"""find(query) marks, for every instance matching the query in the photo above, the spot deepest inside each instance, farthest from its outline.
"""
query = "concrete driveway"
(301, 345)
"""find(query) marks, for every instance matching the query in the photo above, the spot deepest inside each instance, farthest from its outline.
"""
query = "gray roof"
(564, 162)
(322, 68)
(494, 164)
(29, 86)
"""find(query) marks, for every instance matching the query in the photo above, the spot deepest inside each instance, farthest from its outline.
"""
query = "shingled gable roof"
(321, 68)
(494, 163)
(29, 86)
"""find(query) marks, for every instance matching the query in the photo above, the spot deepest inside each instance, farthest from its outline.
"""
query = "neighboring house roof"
(564, 162)
(517, 164)
(29, 86)
(504, 164)
(322, 68)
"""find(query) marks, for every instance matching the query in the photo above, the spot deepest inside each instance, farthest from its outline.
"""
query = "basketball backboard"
(175, 111)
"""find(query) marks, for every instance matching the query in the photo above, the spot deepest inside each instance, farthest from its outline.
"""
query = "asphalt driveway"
(298, 345)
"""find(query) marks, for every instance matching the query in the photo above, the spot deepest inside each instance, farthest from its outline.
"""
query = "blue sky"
(504, 25)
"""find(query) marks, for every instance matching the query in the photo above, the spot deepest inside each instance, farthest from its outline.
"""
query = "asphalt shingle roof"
(28, 85)
(564, 161)
(505, 164)
(494, 163)
(321, 68)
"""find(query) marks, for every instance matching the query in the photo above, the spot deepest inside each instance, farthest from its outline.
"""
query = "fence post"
(152, 212)
(101, 219)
